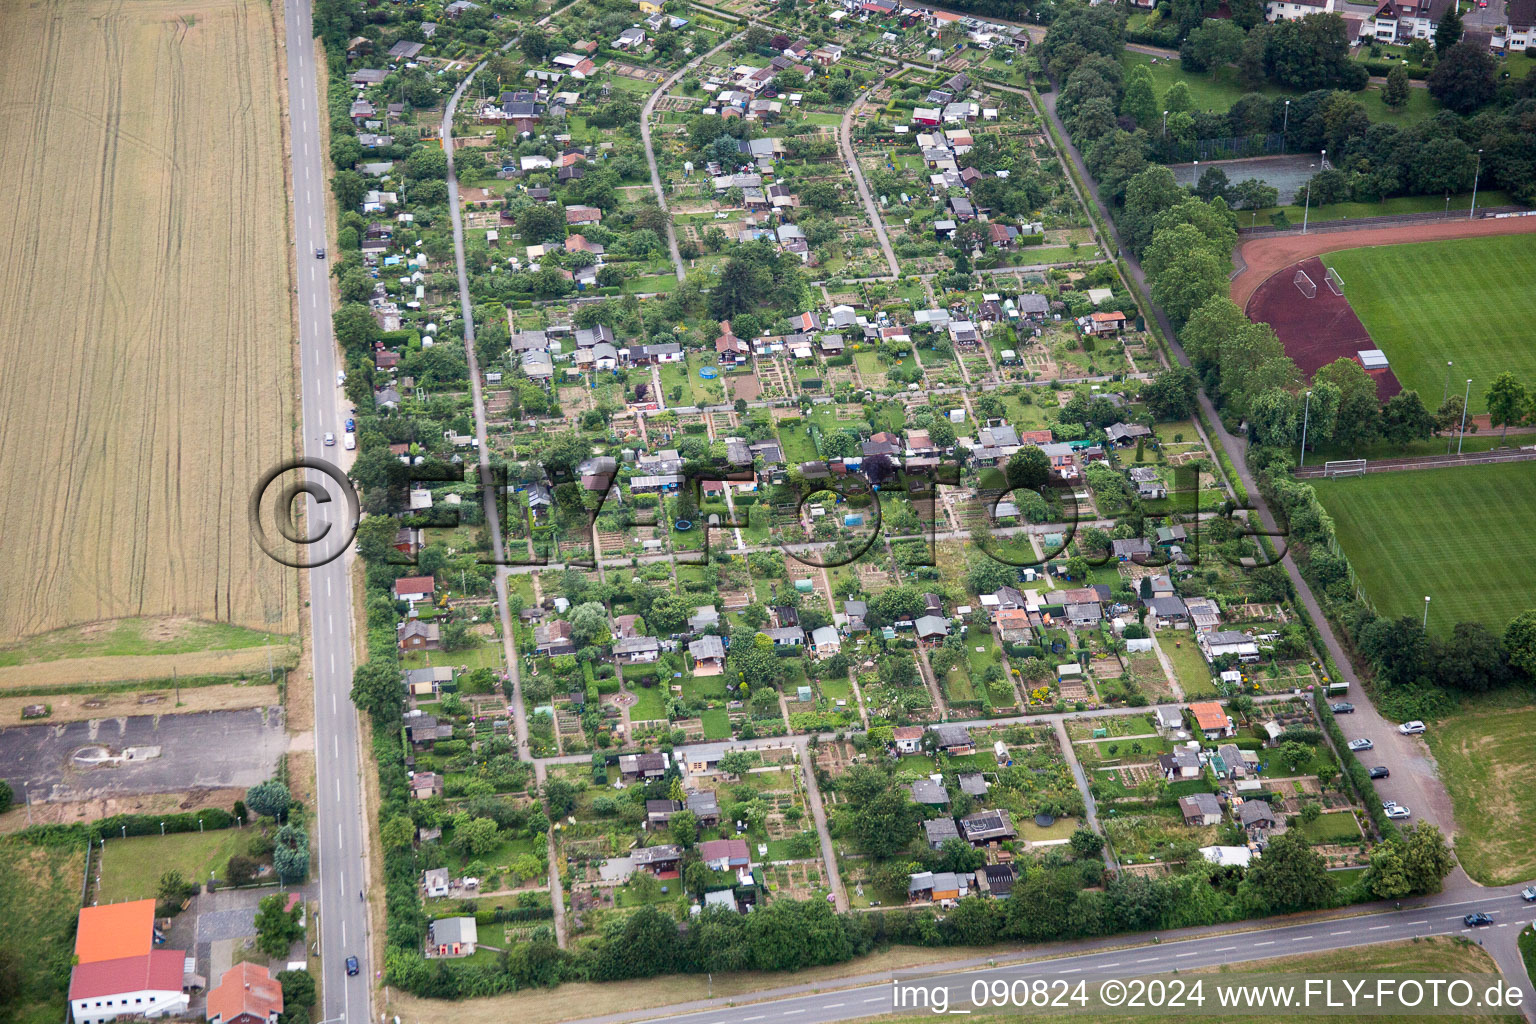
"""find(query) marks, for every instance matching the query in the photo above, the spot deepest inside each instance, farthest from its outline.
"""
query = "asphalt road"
(338, 829)
(873, 994)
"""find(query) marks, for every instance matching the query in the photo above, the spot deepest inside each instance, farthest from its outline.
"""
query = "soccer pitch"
(1429, 302)
(1457, 535)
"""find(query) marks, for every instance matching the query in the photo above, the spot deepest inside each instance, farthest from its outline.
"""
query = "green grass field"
(1435, 301)
(40, 891)
(131, 868)
(1485, 762)
(1453, 534)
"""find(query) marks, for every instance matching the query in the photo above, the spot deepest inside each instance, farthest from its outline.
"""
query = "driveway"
(143, 754)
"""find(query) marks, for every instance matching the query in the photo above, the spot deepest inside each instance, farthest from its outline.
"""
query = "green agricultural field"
(1485, 761)
(1435, 301)
(1455, 535)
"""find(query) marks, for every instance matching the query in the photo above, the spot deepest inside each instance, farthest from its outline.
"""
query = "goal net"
(1307, 286)
(1335, 282)
(1344, 467)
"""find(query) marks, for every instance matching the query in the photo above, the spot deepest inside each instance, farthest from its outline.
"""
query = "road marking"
(1301, 938)
(1501, 926)
(343, 933)
(1224, 949)
(790, 1013)
(338, 786)
(758, 1017)
(1337, 933)
(831, 1006)
(327, 586)
(1147, 960)
(333, 702)
(1181, 956)
(1377, 928)
(333, 663)
(1074, 970)
(336, 737)
(1412, 923)
(306, 149)
(1269, 943)
(877, 999)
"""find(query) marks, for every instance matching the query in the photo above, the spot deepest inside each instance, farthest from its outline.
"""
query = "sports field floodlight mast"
(1464, 399)
(1426, 611)
(1301, 456)
(1308, 208)
(1475, 175)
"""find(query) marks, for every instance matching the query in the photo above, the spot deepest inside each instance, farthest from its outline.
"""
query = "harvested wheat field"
(145, 367)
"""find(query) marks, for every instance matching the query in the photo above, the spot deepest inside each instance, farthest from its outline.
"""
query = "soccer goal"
(1335, 282)
(1307, 286)
(1344, 467)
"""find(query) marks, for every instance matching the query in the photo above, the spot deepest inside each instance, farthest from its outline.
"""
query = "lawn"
(1189, 664)
(716, 723)
(131, 868)
(1332, 828)
(40, 891)
(1444, 533)
(1486, 764)
(1426, 303)
(650, 704)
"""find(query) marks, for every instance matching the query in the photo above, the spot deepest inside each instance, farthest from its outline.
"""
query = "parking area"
(143, 754)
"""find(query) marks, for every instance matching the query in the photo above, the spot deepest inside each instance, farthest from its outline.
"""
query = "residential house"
(1013, 625)
(405, 49)
(940, 831)
(708, 654)
(246, 994)
(931, 627)
(1229, 762)
(826, 641)
(659, 812)
(1180, 763)
(583, 215)
(658, 860)
(416, 635)
(434, 882)
(636, 650)
(1132, 549)
(855, 612)
(987, 827)
(1084, 616)
(1102, 323)
(1219, 643)
(425, 785)
(908, 739)
(118, 972)
(1204, 614)
(644, 766)
(953, 739)
(1212, 720)
(938, 886)
(1169, 611)
(786, 636)
(553, 638)
(453, 937)
(1122, 435)
(414, 588)
(929, 793)
(1200, 809)
(705, 807)
(1254, 814)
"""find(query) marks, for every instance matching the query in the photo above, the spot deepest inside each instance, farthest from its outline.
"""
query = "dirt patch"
(73, 812)
(243, 661)
(1318, 329)
(78, 707)
(1264, 256)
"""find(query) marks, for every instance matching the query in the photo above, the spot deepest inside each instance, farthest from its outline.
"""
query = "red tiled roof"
(1209, 715)
(245, 988)
(414, 585)
(156, 971)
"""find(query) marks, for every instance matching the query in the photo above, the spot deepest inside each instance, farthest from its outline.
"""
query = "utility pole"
(1301, 458)
(1475, 175)
(1464, 399)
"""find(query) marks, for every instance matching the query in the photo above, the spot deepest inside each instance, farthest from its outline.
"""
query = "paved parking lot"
(200, 751)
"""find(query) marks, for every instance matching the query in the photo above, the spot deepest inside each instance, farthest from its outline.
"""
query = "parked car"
(1380, 772)
(1528, 894)
(341, 377)
(330, 439)
(1411, 728)
(1342, 708)
(1362, 744)
(1477, 920)
(1397, 811)
(352, 967)
(351, 425)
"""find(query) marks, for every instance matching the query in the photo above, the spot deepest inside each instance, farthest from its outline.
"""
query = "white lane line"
(343, 933)
(338, 787)
(333, 663)
(831, 1006)
(333, 702)
(1269, 943)
(1181, 956)
(1147, 960)
(1074, 970)
(758, 1017)
(1412, 923)
(337, 738)
(338, 833)
(877, 999)
(1106, 966)
(306, 149)
(1224, 949)
(1378, 927)
(327, 586)
(1331, 934)
(790, 1013)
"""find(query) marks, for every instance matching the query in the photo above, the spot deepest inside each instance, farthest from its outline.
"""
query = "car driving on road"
(1411, 728)
(1477, 920)
(1343, 707)
(352, 965)
(1360, 744)
(330, 439)
(1528, 894)
(320, 253)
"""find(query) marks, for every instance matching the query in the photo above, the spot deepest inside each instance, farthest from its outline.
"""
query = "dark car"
(320, 254)
(352, 965)
(1477, 920)
(351, 426)
(1342, 708)
(1380, 772)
